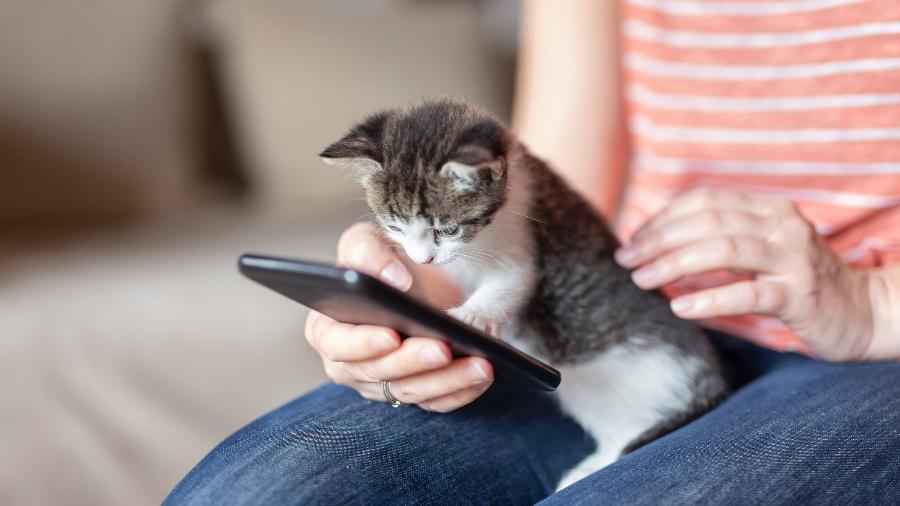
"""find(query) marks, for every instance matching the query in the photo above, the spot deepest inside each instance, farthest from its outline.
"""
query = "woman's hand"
(796, 277)
(421, 370)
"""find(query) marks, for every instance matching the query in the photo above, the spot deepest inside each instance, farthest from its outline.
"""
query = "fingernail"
(625, 255)
(476, 373)
(396, 275)
(682, 305)
(432, 356)
(644, 276)
(382, 342)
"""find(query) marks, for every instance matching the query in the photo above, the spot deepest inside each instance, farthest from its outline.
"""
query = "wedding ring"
(386, 390)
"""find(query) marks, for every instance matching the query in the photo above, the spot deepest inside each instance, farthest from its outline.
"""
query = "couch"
(143, 147)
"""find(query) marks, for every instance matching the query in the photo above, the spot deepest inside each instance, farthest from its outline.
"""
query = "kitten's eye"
(448, 231)
(395, 229)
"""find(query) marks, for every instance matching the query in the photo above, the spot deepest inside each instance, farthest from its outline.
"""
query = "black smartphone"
(353, 297)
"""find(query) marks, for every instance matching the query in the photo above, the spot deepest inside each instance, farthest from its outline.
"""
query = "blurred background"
(143, 146)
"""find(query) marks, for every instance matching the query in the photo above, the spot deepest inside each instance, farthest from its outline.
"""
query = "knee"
(824, 428)
(860, 403)
(274, 467)
(809, 433)
(333, 455)
(859, 397)
(849, 407)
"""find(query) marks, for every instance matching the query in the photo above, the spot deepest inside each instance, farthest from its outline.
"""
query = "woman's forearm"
(884, 297)
(568, 106)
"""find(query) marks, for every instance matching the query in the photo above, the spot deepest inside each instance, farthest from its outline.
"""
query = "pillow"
(299, 74)
(95, 111)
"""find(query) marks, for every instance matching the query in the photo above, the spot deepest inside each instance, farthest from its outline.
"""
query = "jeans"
(795, 431)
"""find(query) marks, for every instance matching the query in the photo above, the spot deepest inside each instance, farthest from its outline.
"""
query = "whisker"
(501, 257)
(498, 234)
(525, 215)
(364, 217)
(486, 255)
(474, 260)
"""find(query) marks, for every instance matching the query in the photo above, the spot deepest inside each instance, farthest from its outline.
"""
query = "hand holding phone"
(440, 386)
(352, 297)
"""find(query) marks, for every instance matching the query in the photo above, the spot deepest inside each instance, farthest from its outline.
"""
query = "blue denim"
(796, 431)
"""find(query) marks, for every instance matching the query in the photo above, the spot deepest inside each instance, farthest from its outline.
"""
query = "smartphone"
(353, 297)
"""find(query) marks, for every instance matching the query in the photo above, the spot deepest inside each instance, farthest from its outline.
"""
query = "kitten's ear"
(360, 149)
(472, 163)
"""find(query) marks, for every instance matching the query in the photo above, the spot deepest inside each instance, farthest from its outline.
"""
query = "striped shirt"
(798, 98)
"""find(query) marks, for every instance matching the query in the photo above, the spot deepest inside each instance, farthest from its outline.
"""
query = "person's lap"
(802, 430)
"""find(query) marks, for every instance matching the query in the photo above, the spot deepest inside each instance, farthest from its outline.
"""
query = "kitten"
(452, 185)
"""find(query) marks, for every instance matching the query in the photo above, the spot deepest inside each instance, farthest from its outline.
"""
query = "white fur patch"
(496, 269)
(620, 394)
(417, 238)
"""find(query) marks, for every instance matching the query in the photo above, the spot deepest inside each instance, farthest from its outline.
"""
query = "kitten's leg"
(621, 394)
(497, 299)
(590, 465)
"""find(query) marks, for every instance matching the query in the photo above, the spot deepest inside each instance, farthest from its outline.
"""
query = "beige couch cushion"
(129, 356)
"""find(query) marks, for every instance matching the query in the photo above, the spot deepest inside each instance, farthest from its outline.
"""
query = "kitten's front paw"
(575, 475)
(480, 321)
(590, 465)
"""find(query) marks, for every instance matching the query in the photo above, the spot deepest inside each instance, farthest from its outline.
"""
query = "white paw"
(590, 465)
(580, 471)
(480, 321)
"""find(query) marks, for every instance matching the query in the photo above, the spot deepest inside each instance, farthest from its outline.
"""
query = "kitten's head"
(434, 174)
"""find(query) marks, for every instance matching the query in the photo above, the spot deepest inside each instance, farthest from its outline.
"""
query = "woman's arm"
(568, 106)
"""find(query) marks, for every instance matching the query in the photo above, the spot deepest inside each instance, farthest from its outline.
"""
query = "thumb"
(362, 248)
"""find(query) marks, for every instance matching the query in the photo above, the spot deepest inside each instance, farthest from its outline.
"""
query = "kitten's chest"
(466, 277)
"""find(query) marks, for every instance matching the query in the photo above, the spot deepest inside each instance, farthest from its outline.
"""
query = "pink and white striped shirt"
(798, 98)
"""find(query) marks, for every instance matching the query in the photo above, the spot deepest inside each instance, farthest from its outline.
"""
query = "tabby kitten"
(451, 184)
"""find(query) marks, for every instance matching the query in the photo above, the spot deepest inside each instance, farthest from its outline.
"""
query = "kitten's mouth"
(434, 261)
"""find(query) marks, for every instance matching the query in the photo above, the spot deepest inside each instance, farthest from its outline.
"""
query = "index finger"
(362, 248)
(696, 200)
(344, 342)
(705, 199)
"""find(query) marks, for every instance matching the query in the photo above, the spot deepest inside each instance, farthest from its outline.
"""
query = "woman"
(761, 138)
